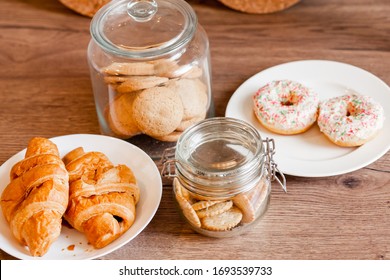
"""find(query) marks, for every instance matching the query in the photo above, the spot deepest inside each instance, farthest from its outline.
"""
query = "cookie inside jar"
(150, 75)
(223, 217)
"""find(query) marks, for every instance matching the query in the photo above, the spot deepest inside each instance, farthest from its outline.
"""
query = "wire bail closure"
(168, 163)
(272, 167)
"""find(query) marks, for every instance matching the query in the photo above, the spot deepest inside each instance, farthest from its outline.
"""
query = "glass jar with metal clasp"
(222, 172)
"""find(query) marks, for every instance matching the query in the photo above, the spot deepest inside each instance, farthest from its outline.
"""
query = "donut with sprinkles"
(350, 120)
(286, 107)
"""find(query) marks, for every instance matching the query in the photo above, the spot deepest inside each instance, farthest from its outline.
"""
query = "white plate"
(310, 154)
(119, 152)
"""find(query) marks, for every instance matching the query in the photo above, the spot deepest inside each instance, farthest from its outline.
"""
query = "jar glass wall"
(151, 76)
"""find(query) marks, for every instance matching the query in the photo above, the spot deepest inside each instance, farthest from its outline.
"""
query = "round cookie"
(157, 111)
(187, 123)
(215, 209)
(245, 205)
(171, 137)
(193, 94)
(259, 6)
(223, 221)
(129, 69)
(202, 204)
(187, 210)
(135, 83)
(120, 116)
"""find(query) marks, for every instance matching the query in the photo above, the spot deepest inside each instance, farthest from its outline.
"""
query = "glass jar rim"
(239, 154)
(176, 43)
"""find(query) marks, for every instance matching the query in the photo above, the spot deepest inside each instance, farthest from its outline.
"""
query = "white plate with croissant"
(76, 197)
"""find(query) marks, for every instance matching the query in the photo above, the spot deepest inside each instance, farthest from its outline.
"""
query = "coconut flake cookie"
(350, 120)
(286, 107)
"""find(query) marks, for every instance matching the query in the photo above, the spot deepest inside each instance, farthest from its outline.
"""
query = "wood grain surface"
(46, 91)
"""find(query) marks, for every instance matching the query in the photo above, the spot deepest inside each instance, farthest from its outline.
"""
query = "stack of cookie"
(207, 216)
(159, 98)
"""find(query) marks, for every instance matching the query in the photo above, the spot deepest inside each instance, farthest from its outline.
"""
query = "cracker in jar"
(187, 210)
(263, 189)
(254, 192)
(178, 187)
(157, 111)
(215, 209)
(130, 69)
(204, 204)
(223, 221)
(245, 205)
(135, 83)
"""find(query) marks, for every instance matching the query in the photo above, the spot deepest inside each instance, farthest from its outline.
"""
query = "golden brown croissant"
(37, 196)
(102, 197)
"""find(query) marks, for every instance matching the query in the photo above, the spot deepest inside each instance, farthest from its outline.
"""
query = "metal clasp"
(168, 161)
(273, 172)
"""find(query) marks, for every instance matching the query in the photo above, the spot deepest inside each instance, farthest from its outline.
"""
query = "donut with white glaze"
(350, 120)
(286, 107)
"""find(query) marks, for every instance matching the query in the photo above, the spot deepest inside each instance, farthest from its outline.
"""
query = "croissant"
(102, 197)
(36, 198)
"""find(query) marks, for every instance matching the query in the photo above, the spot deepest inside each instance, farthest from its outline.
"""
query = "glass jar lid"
(220, 156)
(144, 28)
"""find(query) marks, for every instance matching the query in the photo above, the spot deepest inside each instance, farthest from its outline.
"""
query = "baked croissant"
(36, 198)
(102, 197)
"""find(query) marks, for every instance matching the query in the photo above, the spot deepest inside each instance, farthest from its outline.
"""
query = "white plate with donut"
(71, 244)
(311, 154)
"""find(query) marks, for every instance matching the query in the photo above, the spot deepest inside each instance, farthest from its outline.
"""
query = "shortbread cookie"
(193, 73)
(204, 204)
(171, 137)
(135, 83)
(215, 209)
(115, 80)
(245, 205)
(166, 68)
(187, 210)
(193, 94)
(223, 221)
(187, 123)
(130, 69)
(157, 111)
(120, 116)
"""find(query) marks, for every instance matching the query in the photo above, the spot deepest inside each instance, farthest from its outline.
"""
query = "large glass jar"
(150, 71)
(222, 172)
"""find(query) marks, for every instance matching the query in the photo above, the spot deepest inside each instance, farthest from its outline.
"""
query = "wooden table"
(46, 91)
